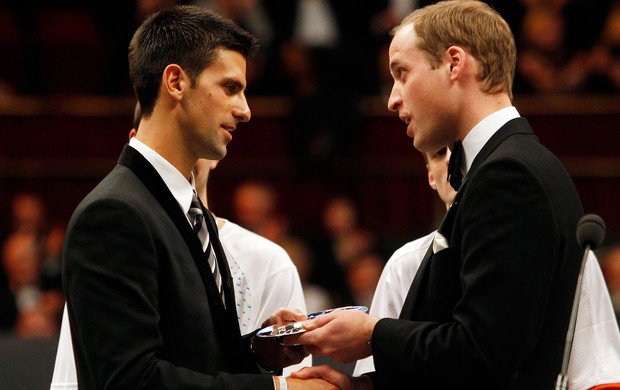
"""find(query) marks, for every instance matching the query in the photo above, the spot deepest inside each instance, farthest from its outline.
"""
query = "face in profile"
(215, 105)
(437, 168)
(419, 92)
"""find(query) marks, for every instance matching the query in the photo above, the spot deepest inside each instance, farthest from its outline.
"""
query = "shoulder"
(412, 249)
(406, 260)
(250, 245)
(121, 184)
(516, 146)
(119, 202)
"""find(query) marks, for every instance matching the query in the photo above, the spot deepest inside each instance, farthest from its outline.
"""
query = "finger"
(290, 315)
(283, 316)
(319, 321)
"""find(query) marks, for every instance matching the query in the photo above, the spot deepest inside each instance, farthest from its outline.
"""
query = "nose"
(395, 100)
(242, 110)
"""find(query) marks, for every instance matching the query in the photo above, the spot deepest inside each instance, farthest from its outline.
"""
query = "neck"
(163, 137)
(485, 105)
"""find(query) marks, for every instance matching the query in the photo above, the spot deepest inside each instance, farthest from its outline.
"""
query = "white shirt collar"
(181, 189)
(483, 131)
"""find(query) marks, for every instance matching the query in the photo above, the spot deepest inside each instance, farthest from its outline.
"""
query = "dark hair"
(137, 116)
(188, 36)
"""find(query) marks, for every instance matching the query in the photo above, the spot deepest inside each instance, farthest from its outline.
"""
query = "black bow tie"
(455, 176)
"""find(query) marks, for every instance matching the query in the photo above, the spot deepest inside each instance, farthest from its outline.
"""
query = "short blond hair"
(473, 26)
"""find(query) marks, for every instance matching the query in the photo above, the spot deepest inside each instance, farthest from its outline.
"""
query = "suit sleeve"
(111, 276)
(505, 265)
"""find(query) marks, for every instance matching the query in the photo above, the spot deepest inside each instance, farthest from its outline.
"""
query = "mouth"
(228, 131)
(407, 121)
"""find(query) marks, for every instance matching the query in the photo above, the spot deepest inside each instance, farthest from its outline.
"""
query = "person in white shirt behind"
(264, 276)
(595, 354)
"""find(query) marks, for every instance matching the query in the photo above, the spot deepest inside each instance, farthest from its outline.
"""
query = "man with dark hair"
(150, 299)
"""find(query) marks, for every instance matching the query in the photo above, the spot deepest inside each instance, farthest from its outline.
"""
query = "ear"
(431, 179)
(457, 58)
(174, 81)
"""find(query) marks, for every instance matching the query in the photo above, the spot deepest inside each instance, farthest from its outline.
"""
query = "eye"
(232, 86)
(398, 73)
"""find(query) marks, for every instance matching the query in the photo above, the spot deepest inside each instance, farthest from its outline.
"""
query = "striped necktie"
(197, 218)
(195, 213)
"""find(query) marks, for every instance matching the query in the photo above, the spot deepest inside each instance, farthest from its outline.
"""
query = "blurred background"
(323, 168)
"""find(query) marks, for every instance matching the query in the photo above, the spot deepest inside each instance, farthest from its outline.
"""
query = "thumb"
(317, 322)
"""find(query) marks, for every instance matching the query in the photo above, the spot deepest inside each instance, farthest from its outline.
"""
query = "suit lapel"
(132, 159)
(151, 179)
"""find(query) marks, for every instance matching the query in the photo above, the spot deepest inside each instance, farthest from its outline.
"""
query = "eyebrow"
(394, 64)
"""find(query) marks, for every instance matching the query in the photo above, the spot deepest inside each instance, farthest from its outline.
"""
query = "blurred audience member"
(38, 310)
(363, 274)
(340, 239)
(52, 252)
(307, 47)
(542, 55)
(341, 223)
(316, 50)
(317, 297)
(255, 207)
(604, 58)
(557, 46)
(28, 214)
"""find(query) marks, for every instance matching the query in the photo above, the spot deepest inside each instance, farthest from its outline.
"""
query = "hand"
(343, 335)
(337, 378)
(310, 383)
(270, 352)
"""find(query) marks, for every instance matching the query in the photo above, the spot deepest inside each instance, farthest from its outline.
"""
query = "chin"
(222, 154)
(417, 146)
(215, 155)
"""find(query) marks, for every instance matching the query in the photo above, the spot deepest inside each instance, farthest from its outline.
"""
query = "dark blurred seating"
(63, 147)
(71, 50)
(26, 364)
(13, 46)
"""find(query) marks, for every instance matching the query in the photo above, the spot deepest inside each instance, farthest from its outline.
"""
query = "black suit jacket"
(142, 302)
(492, 310)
